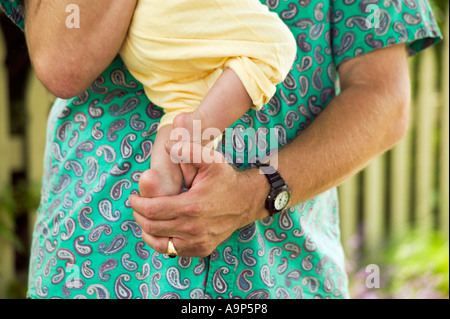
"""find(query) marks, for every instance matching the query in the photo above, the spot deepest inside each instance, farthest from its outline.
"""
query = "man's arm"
(369, 116)
(67, 60)
(366, 119)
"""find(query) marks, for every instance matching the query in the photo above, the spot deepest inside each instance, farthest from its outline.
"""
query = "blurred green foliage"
(439, 7)
(7, 209)
(15, 201)
(413, 267)
(420, 266)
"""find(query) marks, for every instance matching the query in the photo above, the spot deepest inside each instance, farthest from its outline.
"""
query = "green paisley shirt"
(86, 243)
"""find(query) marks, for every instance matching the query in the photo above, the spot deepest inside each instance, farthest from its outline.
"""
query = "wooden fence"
(404, 188)
(408, 187)
(19, 153)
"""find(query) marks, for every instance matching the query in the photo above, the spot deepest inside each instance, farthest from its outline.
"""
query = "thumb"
(193, 154)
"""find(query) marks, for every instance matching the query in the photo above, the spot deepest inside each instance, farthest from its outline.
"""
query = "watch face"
(282, 200)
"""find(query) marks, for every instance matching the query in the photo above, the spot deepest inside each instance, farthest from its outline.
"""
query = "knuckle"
(194, 229)
(147, 227)
(148, 212)
(193, 209)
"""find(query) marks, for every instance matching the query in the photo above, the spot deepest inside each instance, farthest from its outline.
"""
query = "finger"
(189, 173)
(158, 208)
(159, 244)
(193, 153)
(159, 228)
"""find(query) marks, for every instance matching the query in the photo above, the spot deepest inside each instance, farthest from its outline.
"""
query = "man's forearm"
(342, 141)
(66, 59)
(338, 144)
(365, 120)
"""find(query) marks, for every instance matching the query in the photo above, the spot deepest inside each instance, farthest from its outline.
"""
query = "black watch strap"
(276, 182)
(274, 178)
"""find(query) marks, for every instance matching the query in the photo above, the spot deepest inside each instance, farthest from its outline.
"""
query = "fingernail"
(130, 198)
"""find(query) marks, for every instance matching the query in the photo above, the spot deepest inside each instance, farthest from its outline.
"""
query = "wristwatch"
(280, 194)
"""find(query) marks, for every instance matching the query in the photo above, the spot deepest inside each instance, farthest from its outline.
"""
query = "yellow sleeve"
(268, 49)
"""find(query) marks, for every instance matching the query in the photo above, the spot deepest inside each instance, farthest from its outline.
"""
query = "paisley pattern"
(86, 243)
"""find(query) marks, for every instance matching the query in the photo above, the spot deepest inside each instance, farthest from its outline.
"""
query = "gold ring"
(171, 251)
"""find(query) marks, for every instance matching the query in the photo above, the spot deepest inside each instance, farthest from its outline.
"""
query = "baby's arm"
(224, 104)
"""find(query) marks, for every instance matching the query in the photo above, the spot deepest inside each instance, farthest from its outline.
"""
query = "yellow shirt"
(178, 48)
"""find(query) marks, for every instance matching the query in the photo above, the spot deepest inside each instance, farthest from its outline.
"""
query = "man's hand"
(220, 201)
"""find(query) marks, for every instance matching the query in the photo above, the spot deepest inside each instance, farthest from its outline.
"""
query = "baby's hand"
(189, 173)
(193, 127)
